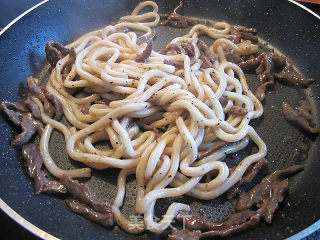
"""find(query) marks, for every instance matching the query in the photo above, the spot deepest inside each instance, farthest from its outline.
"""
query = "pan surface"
(284, 26)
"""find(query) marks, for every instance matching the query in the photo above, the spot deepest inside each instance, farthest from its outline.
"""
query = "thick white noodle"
(191, 105)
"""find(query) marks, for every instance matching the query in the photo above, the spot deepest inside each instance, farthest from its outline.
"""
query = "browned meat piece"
(104, 219)
(301, 116)
(194, 222)
(146, 39)
(34, 108)
(265, 70)
(38, 92)
(53, 187)
(89, 203)
(56, 104)
(51, 104)
(250, 64)
(207, 52)
(175, 19)
(177, 64)
(55, 51)
(248, 176)
(236, 110)
(184, 234)
(241, 28)
(265, 196)
(240, 32)
(146, 52)
(289, 75)
(185, 48)
(18, 106)
(232, 56)
(265, 65)
(305, 109)
(261, 90)
(188, 49)
(12, 110)
(28, 124)
(29, 127)
(269, 193)
(206, 63)
(208, 57)
(215, 147)
(71, 60)
(82, 193)
(34, 161)
(84, 108)
(238, 222)
(27, 115)
(171, 47)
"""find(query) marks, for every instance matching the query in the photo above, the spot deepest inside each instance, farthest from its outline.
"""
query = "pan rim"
(45, 235)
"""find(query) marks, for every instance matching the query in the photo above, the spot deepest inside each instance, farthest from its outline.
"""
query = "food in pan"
(162, 114)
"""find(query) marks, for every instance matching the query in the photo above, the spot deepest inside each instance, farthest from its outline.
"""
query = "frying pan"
(283, 25)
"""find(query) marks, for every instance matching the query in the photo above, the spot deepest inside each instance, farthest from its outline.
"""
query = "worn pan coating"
(285, 26)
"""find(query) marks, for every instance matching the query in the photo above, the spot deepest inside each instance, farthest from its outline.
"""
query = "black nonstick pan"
(282, 26)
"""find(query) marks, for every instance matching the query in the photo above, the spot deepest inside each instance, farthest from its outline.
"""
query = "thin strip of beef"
(266, 196)
(305, 109)
(171, 47)
(38, 92)
(249, 64)
(238, 222)
(266, 189)
(241, 28)
(34, 161)
(146, 52)
(209, 57)
(206, 63)
(104, 219)
(189, 49)
(12, 111)
(261, 90)
(55, 51)
(289, 75)
(300, 117)
(82, 193)
(237, 110)
(29, 127)
(232, 56)
(265, 70)
(56, 103)
(210, 150)
(240, 32)
(71, 60)
(177, 64)
(28, 124)
(175, 19)
(262, 62)
(84, 108)
(34, 108)
(265, 65)
(248, 176)
(184, 234)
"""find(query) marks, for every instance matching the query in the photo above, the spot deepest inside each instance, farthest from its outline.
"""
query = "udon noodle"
(190, 106)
